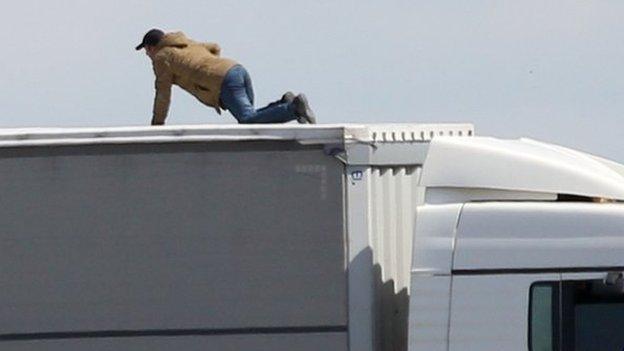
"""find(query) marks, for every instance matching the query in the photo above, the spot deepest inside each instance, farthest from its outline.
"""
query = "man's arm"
(162, 99)
(214, 48)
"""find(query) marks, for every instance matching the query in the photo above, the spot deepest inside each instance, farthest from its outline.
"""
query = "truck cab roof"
(526, 168)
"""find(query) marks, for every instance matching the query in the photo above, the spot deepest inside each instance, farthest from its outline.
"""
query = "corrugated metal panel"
(394, 196)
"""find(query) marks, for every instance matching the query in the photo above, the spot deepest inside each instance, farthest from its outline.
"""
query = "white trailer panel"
(252, 237)
(171, 237)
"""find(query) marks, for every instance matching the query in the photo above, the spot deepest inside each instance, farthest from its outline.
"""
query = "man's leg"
(234, 96)
(237, 97)
(248, 86)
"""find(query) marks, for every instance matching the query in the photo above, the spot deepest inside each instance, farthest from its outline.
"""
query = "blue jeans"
(237, 96)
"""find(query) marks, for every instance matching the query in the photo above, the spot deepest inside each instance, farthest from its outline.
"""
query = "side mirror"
(615, 280)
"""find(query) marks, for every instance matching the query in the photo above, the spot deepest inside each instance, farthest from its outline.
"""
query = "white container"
(220, 237)
(286, 237)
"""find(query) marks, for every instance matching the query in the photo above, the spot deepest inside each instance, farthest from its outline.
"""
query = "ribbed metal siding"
(394, 197)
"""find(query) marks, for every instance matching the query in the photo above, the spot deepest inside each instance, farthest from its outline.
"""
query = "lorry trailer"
(378, 237)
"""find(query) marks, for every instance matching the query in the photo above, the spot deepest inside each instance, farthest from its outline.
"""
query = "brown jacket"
(193, 66)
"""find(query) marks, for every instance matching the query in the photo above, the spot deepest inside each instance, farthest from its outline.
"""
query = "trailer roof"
(305, 134)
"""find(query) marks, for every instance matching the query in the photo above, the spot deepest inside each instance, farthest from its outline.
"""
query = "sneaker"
(288, 96)
(303, 111)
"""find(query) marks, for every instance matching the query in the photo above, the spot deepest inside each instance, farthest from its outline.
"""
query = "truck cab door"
(490, 311)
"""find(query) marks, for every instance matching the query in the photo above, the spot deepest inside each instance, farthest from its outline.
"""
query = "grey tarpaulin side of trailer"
(173, 237)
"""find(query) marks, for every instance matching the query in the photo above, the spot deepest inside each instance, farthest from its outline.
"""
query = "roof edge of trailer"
(304, 134)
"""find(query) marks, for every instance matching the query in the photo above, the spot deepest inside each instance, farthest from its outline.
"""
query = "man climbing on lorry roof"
(215, 81)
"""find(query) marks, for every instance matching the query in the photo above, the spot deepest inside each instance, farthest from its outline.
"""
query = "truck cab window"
(584, 315)
(542, 314)
(592, 316)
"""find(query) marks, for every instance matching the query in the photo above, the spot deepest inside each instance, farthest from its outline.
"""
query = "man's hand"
(157, 123)
(162, 98)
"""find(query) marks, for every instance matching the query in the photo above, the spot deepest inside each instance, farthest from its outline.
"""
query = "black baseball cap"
(151, 38)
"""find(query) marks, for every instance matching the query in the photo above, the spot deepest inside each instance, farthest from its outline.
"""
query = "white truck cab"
(517, 247)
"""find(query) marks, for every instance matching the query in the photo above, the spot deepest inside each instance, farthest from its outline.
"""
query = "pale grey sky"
(550, 70)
